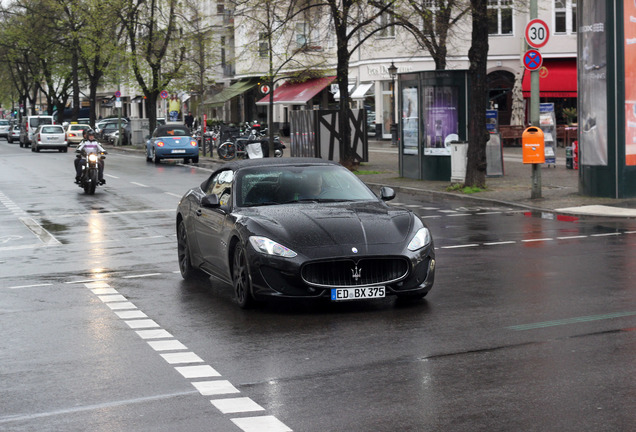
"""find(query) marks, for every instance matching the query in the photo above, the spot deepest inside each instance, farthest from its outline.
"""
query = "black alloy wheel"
(188, 272)
(241, 279)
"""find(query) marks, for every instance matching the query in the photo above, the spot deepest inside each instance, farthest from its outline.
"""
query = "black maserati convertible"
(301, 228)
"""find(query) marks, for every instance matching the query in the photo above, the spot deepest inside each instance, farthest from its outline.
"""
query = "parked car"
(112, 137)
(127, 132)
(301, 228)
(172, 141)
(14, 135)
(29, 126)
(5, 128)
(50, 137)
(74, 133)
(107, 123)
(107, 129)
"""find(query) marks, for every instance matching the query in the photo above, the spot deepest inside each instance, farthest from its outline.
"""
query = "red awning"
(298, 94)
(559, 82)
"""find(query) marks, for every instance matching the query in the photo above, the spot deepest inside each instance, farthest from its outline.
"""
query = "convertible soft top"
(172, 130)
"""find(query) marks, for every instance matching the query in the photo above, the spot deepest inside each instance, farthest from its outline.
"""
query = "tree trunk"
(347, 156)
(477, 132)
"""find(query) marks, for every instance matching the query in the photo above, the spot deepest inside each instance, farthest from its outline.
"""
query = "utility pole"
(534, 111)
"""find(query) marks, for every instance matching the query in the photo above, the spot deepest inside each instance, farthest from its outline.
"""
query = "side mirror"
(210, 201)
(387, 193)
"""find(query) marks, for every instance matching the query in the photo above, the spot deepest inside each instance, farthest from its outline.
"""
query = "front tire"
(241, 279)
(188, 272)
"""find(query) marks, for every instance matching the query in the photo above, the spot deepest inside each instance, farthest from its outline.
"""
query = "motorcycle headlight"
(270, 247)
(421, 239)
(92, 157)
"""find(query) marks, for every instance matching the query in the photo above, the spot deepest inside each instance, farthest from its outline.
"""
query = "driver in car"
(311, 187)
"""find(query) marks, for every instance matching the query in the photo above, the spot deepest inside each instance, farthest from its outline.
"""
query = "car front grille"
(351, 273)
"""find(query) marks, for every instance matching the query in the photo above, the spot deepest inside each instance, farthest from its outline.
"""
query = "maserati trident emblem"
(356, 273)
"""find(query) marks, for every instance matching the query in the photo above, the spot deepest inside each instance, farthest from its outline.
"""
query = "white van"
(29, 125)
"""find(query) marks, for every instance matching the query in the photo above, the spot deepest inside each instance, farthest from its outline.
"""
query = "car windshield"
(52, 129)
(4, 122)
(297, 184)
(37, 121)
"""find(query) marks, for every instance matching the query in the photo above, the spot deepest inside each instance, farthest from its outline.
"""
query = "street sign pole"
(534, 111)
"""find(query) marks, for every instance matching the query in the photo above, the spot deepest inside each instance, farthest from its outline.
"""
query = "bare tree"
(288, 54)
(431, 22)
(156, 50)
(354, 22)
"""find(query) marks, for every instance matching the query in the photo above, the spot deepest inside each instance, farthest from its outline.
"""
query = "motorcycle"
(89, 179)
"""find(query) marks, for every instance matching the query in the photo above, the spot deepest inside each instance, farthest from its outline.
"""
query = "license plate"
(340, 294)
(178, 151)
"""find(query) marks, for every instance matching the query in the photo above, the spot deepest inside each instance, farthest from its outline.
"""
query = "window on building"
(263, 45)
(432, 7)
(500, 17)
(302, 35)
(565, 16)
(220, 7)
(387, 19)
(222, 51)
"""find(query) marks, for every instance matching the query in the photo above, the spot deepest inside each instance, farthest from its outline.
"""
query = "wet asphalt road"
(531, 324)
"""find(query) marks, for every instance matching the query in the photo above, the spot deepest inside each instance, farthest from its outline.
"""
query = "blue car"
(172, 141)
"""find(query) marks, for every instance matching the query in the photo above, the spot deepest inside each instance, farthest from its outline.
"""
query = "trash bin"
(569, 157)
(533, 146)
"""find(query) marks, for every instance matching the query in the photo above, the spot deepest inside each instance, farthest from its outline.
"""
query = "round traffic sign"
(532, 60)
(163, 94)
(117, 94)
(537, 33)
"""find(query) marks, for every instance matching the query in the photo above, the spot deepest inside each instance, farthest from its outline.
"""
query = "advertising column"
(629, 23)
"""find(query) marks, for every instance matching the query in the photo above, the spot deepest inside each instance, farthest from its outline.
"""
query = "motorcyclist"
(89, 145)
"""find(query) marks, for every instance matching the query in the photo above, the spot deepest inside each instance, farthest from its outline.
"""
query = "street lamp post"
(394, 132)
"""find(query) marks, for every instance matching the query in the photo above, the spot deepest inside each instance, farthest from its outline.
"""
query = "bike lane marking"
(187, 362)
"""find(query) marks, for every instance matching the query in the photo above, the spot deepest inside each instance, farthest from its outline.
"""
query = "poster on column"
(441, 119)
(592, 75)
(630, 81)
(410, 120)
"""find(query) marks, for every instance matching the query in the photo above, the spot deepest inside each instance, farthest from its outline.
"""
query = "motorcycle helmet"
(90, 133)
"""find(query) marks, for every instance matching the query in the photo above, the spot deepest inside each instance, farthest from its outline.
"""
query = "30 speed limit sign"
(537, 33)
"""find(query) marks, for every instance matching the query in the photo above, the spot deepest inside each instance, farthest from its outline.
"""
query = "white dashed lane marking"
(205, 379)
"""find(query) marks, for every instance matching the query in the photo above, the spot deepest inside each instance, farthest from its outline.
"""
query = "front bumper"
(279, 277)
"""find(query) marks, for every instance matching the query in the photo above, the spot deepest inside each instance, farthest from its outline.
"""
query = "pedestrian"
(189, 120)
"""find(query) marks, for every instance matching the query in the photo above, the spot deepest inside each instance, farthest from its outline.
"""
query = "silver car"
(14, 135)
(5, 128)
(50, 137)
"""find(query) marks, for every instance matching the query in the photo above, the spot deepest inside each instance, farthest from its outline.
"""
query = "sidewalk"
(559, 189)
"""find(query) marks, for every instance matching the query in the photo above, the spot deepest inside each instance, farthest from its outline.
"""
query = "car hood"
(318, 225)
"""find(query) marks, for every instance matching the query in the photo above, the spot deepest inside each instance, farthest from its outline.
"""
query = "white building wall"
(369, 64)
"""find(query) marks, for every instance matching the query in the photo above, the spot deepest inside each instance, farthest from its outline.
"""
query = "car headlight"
(270, 247)
(421, 239)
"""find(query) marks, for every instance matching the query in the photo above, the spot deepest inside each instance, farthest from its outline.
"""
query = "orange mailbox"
(533, 146)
